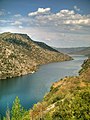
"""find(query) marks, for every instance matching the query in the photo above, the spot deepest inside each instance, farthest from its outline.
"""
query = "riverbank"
(67, 99)
(31, 88)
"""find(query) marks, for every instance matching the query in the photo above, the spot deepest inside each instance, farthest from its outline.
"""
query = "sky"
(59, 23)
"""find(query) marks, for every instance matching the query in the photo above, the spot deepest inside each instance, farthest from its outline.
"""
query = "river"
(31, 88)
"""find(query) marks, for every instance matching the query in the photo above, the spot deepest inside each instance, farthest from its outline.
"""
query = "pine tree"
(8, 114)
(17, 110)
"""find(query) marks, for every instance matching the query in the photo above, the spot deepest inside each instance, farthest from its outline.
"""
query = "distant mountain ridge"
(21, 55)
(85, 51)
(77, 50)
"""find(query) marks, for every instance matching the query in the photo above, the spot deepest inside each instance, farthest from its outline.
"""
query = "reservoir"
(32, 88)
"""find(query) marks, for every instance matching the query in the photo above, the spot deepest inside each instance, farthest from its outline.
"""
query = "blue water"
(31, 88)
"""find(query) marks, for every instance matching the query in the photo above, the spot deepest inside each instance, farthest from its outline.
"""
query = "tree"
(8, 114)
(17, 111)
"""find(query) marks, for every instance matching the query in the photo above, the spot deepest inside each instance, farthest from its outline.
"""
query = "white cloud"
(16, 23)
(43, 10)
(20, 26)
(17, 15)
(76, 8)
(63, 17)
(64, 20)
(3, 21)
(40, 11)
(67, 12)
(78, 22)
(32, 14)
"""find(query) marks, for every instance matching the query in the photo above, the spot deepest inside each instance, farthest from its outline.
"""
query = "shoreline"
(36, 69)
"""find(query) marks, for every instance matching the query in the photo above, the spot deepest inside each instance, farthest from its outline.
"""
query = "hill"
(20, 55)
(85, 51)
(68, 98)
(70, 50)
(77, 50)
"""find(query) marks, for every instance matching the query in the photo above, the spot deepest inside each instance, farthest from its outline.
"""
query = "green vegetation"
(73, 107)
(68, 99)
(17, 112)
(85, 66)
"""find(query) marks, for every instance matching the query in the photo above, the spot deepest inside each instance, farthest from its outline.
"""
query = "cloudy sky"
(59, 23)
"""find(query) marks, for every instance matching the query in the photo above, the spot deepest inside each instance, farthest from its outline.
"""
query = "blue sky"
(59, 23)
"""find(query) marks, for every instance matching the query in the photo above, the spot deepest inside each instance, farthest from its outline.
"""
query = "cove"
(32, 88)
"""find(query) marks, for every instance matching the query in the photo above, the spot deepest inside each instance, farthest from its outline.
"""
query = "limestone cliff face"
(19, 55)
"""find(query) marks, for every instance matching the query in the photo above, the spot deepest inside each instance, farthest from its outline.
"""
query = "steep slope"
(19, 55)
(43, 45)
(68, 99)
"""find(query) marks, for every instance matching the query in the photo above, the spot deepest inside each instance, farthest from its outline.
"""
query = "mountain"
(21, 55)
(85, 51)
(77, 50)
